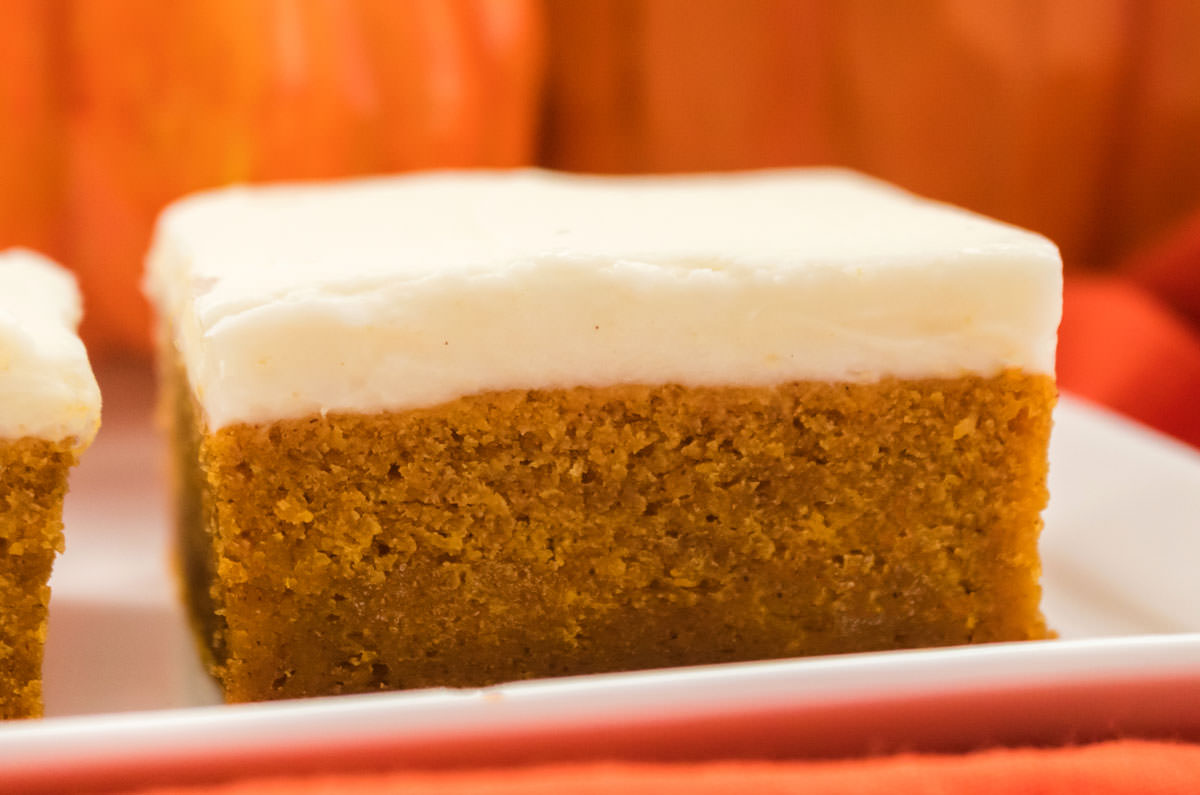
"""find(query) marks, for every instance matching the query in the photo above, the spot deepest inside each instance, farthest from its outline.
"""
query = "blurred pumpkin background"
(1077, 118)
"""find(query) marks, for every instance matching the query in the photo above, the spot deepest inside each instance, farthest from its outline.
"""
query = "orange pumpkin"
(124, 105)
(1079, 118)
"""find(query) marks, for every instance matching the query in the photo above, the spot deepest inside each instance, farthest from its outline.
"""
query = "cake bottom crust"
(33, 482)
(523, 534)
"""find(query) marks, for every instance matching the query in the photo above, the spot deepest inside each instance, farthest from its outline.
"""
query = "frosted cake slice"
(462, 428)
(49, 413)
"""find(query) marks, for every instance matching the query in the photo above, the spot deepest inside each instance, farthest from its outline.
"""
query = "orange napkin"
(1126, 766)
(1171, 269)
(1132, 341)
(1123, 347)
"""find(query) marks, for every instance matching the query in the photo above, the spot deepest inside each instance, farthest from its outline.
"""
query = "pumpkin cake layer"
(33, 482)
(537, 533)
(49, 412)
(463, 428)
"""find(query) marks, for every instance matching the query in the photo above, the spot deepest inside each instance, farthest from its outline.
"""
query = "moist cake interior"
(519, 534)
(33, 482)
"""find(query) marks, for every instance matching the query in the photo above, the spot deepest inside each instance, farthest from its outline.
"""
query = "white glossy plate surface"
(1121, 547)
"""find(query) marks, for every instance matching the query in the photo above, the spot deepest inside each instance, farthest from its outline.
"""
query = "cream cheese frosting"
(405, 292)
(47, 389)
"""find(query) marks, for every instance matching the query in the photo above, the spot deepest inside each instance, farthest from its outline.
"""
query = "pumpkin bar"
(453, 429)
(49, 413)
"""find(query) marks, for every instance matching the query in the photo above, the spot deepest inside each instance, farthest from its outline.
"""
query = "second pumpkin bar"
(49, 415)
(464, 428)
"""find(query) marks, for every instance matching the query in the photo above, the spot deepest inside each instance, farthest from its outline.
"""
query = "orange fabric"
(1171, 269)
(1122, 347)
(1133, 343)
(1126, 766)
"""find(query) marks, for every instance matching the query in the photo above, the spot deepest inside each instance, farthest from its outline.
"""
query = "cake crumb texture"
(33, 482)
(519, 534)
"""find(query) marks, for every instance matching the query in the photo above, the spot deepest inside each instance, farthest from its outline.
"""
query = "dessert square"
(453, 429)
(49, 413)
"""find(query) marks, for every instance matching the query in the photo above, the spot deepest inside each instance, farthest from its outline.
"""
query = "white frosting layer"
(47, 389)
(409, 291)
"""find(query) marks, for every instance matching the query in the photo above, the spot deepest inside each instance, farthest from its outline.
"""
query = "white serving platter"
(127, 702)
